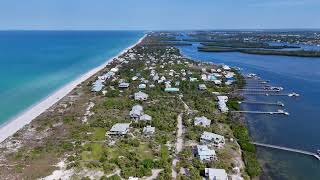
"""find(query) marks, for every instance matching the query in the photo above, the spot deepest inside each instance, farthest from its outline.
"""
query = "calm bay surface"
(33, 64)
(299, 130)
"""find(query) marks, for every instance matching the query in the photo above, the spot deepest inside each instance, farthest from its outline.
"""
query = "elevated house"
(140, 96)
(215, 174)
(142, 86)
(202, 121)
(206, 154)
(149, 130)
(202, 87)
(211, 138)
(145, 117)
(123, 85)
(119, 129)
(222, 100)
(97, 86)
(136, 112)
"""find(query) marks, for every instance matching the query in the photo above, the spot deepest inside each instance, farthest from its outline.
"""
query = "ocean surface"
(34, 64)
(300, 130)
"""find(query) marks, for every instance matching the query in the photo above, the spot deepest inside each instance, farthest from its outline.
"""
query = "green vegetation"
(244, 44)
(248, 149)
(299, 53)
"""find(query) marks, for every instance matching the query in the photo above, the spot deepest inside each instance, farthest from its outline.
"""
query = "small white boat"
(294, 94)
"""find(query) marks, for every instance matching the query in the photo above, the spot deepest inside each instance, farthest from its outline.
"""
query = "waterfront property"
(222, 100)
(202, 121)
(212, 138)
(205, 154)
(216, 174)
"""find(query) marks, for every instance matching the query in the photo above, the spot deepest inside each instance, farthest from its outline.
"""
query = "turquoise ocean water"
(33, 64)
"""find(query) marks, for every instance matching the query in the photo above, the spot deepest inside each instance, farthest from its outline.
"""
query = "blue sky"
(158, 14)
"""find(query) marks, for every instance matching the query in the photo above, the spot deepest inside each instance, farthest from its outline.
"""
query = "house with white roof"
(222, 100)
(215, 174)
(202, 121)
(212, 138)
(145, 117)
(149, 130)
(204, 77)
(140, 96)
(206, 154)
(123, 85)
(202, 87)
(226, 68)
(119, 129)
(142, 86)
(136, 112)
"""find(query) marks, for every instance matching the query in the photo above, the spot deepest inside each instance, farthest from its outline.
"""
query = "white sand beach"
(27, 116)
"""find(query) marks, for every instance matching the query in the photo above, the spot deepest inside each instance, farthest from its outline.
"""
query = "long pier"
(287, 149)
(262, 112)
(262, 103)
(260, 90)
(274, 94)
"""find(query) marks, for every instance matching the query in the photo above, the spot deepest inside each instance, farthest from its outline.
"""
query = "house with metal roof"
(119, 129)
(149, 130)
(136, 112)
(212, 138)
(140, 96)
(145, 117)
(202, 87)
(205, 154)
(222, 100)
(123, 85)
(202, 121)
(215, 174)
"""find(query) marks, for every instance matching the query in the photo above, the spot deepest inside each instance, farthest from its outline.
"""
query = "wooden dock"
(260, 90)
(287, 149)
(262, 103)
(267, 94)
(262, 112)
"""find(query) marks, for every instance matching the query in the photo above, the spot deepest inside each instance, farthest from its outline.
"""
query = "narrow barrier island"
(150, 113)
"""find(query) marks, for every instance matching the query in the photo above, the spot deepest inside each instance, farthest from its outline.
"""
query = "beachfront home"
(97, 85)
(136, 112)
(149, 130)
(115, 69)
(202, 87)
(206, 154)
(119, 129)
(124, 85)
(216, 174)
(202, 121)
(222, 100)
(140, 96)
(211, 138)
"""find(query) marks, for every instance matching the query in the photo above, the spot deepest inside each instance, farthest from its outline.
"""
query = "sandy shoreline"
(13, 125)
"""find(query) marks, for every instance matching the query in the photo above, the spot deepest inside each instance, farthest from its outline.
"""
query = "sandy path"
(179, 145)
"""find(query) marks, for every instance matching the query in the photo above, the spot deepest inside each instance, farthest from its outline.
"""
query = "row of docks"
(257, 86)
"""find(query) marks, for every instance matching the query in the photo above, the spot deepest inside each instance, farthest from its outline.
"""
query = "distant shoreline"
(19, 121)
